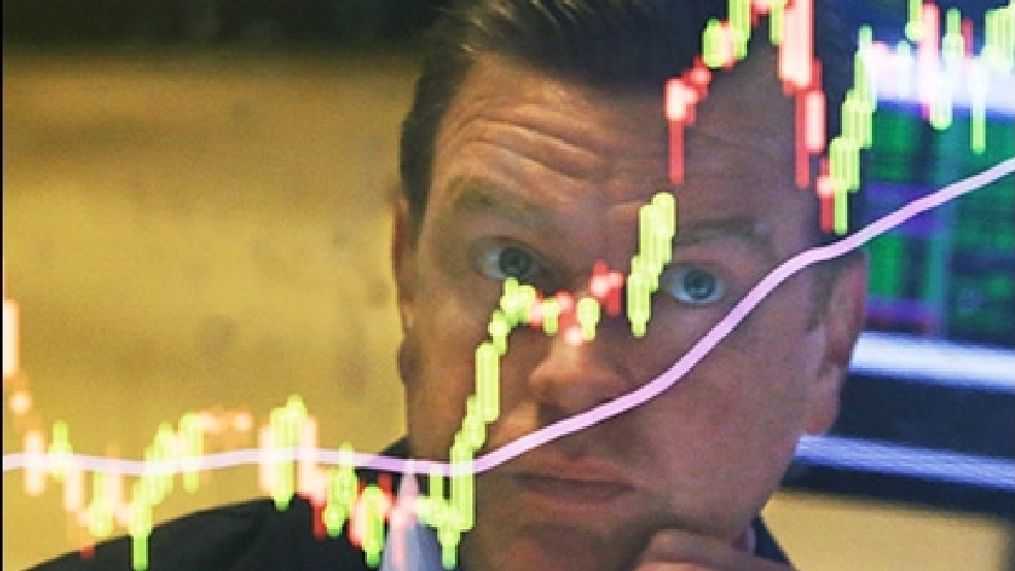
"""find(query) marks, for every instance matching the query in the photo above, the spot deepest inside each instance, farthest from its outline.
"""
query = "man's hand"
(676, 550)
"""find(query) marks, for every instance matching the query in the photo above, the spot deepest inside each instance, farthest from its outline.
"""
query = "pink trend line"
(591, 417)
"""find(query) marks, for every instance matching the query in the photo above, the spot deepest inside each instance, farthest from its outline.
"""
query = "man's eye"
(502, 262)
(693, 286)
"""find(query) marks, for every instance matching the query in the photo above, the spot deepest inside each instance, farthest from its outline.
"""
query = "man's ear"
(403, 260)
(842, 321)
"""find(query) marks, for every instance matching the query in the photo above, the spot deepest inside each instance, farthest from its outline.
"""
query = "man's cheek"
(773, 324)
(459, 311)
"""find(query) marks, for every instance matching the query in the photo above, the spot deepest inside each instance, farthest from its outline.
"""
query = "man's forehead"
(745, 111)
(731, 145)
(589, 115)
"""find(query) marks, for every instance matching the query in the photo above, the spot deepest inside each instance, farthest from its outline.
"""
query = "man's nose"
(573, 378)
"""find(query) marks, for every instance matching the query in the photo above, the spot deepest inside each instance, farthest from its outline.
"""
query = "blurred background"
(195, 202)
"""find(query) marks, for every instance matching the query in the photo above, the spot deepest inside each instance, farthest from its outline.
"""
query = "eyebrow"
(476, 196)
(739, 228)
(480, 197)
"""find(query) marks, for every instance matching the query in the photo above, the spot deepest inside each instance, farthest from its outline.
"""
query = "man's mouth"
(571, 485)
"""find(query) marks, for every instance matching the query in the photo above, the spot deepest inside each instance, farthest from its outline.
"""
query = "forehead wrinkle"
(552, 103)
(555, 154)
(558, 165)
(569, 117)
(538, 117)
(588, 135)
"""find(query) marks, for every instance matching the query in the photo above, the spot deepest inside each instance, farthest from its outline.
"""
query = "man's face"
(540, 178)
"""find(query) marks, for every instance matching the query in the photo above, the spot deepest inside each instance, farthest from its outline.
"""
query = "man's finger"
(673, 550)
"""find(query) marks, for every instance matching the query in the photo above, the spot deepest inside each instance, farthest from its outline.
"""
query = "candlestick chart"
(289, 459)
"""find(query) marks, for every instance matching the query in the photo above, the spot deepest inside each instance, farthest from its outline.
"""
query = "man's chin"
(525, 523)
(562, 547)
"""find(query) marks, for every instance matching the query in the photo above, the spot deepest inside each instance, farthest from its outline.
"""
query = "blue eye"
(693, 286)
(502, 262)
